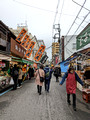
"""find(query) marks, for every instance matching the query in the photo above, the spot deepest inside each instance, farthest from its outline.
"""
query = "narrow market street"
(26, 104)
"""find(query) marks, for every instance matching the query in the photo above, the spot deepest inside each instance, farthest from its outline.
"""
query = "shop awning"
(5, 57)
(16, 59)
(27, 61)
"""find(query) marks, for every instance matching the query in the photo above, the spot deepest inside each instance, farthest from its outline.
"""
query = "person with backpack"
(57, 72)
(15, 73)
(71, 84)
(48, 75)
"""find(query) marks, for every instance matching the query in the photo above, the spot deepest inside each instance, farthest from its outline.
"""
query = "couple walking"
(45, 73)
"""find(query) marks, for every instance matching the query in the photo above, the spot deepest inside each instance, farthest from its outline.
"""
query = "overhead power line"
(77, 28)
(76, 17)
(61, 11)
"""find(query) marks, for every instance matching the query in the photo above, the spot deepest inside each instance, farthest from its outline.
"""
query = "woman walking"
(39, 73)
(72, 77)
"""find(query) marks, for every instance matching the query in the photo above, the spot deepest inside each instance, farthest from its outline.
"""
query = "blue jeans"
(47, 85)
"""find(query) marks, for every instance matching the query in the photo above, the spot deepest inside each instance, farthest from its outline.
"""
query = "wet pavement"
(26, 104)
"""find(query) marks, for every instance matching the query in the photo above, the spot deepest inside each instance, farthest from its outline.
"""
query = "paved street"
(26, 104)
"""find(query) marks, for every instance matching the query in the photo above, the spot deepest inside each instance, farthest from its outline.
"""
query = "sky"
(40, 16)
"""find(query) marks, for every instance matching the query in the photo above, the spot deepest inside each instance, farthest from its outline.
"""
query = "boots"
(40, 90)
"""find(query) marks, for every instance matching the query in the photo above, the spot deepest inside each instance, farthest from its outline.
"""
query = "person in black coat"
(31, 72)
(15, 74)
(57, 72)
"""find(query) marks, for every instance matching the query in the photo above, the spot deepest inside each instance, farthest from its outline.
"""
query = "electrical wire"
(61, 11)
(76, 17)
(77, 28)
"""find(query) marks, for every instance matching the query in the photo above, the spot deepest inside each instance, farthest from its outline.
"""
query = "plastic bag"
(11, 81)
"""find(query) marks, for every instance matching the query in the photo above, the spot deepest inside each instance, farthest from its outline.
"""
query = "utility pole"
(57, 36)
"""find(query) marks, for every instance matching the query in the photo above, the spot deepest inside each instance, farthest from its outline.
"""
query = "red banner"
(39, 53)
(30, 49)
(21, 35)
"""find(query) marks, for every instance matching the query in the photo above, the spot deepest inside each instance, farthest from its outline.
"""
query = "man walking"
(48, 74)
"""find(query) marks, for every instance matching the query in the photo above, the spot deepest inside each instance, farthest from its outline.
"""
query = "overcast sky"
(40, 14)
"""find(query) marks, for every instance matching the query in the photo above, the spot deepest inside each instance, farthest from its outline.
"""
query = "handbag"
(11, 81)
(41, 78)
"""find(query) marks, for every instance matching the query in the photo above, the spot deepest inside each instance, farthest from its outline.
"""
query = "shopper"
(48, 75)
(57, 72)
(20, 77)
(39, 73)
(10, 70)
(72, 77)
(15, 76)
(31, 72)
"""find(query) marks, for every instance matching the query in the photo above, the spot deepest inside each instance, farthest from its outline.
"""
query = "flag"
(24, 40)
(30, 49)
(21, 35)
(39, 53)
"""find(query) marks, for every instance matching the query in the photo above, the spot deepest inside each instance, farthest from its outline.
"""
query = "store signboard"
(25, 39)
(27, 43)
(21, 35)
(39, 53)
(17, 49)
(30, 49)
(43, 59)
(84, 38)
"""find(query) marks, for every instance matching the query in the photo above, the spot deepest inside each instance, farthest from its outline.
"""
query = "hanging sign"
(44, 59)
(24, 40)
(39, 53)
(21, 34)
(27, 43)
(30, 49)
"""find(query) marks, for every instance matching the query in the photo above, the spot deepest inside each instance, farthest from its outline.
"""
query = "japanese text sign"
(24, 40)
(21, 34)
(30, 49)
(39, 53)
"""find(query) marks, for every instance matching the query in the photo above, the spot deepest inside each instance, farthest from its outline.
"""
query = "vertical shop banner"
(27, 43)
(30, 49)
(24, 40)
(21, 35)
(44, 59)
(39, 53)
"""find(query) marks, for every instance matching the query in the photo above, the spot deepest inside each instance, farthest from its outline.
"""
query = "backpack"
(47, 74)
(15, 72)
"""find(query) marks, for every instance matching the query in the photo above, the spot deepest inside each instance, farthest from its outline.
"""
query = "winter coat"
(57, 71)
(47, 69)
(31, 72)
(20, 74)
(42, 74)
(71, 82)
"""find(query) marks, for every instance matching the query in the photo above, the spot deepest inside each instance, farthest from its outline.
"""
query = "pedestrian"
(10, 70)
(39, 73)
(15, 76)
(48, 75)
(71, 85)
(57, 72)
(20, 77)
(31, 72)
